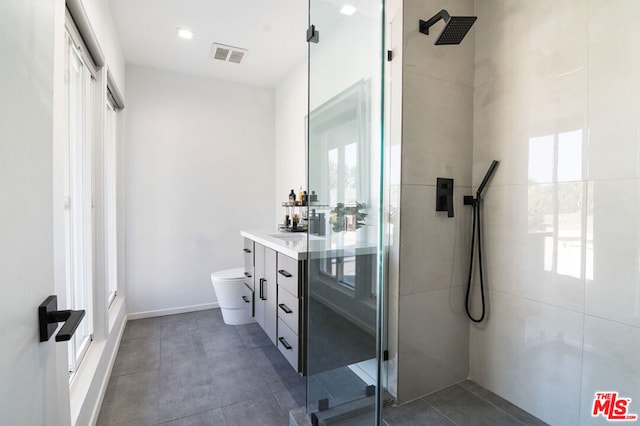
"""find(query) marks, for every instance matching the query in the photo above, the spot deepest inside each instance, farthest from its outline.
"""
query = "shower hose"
(476, 225)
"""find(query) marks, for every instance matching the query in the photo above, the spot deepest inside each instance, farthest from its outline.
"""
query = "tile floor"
(192, 369)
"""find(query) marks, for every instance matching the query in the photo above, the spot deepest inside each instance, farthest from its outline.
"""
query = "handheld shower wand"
(475, 203)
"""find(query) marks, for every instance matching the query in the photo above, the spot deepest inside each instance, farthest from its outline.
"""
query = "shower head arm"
(487, 176)
(425, 25)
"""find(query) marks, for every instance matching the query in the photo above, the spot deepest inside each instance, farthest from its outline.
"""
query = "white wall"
(291, 110)
(561, 236)
(200, 167)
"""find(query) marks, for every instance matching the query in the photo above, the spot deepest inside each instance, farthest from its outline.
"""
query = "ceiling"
(272, 30)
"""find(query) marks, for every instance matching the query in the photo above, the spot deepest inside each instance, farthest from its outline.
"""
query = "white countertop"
(294, 244)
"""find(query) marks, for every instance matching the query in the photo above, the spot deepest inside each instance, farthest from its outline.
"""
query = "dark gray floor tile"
(363, 419)
(179, 323)
(137, 355)
(298, 417)
(253, 336)
(292, 397)
(219, 340)
(131, 400)
(463, 407)
(208, 418)
(186, 367)
(315, 391)
(263, 411)
(239, 385)
(186, 391)
(514, 411)
(415, 413)
(342, 384)
(229, 361)
(180, 347)
(275, 369)
(211, 318)
(147, 327)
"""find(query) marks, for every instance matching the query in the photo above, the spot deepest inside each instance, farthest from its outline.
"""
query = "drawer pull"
(285, 308)
(284, 273)
(247, 250)
(286, 345)
(261, 287)
(248, 275)
(246, 300)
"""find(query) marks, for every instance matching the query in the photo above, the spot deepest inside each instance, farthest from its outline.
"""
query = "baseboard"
(171, 311)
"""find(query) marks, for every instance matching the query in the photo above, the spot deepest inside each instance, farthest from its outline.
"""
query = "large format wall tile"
(614, 107)
(433, 342)
(422, 56)
(613, 290)
(437, 135)
(530, 354)
(611, 363)
(534, 242)
(434, 246)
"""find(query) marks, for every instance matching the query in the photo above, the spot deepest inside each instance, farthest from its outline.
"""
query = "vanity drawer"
(289, 309)
(288, 344)
(249, 262)
(289, 272)
(247, 300)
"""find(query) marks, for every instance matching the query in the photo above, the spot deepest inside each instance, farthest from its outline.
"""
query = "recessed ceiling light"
(185, 33)
(347, 9)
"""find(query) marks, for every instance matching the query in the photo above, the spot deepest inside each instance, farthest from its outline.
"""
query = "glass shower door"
(344, 156)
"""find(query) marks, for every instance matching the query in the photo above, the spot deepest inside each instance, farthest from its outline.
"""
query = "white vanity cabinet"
(290, 310)
(247, 291)
(265, 290)
(276, 270)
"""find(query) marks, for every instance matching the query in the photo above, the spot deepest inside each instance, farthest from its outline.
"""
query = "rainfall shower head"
(455, 29)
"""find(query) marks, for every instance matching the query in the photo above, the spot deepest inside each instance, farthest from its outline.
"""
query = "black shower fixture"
(468, 200)
(455, 29)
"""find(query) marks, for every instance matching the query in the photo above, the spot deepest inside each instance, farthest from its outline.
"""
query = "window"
(80, 89)
(110, 213)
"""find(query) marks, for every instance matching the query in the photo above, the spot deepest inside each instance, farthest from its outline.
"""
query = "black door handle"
(285, 308)
(284, 273)
(247, 250)
(49, 316)
(286, 345)
(248, 275)
(246, 300)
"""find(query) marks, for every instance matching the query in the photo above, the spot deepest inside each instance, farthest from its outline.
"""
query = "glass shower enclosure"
(344, 332)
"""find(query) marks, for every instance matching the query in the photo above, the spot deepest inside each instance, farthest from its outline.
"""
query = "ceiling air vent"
(227, 53)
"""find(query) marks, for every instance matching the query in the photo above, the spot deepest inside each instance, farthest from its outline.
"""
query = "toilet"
(228, 286)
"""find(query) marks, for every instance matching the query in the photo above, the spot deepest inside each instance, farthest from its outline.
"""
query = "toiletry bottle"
(300, 196)
(320, 225)
(313, 197)
(313, 220)
(305, 198)
(292, 197)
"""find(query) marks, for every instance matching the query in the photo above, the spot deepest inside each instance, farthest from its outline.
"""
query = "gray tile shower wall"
(437, 141)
